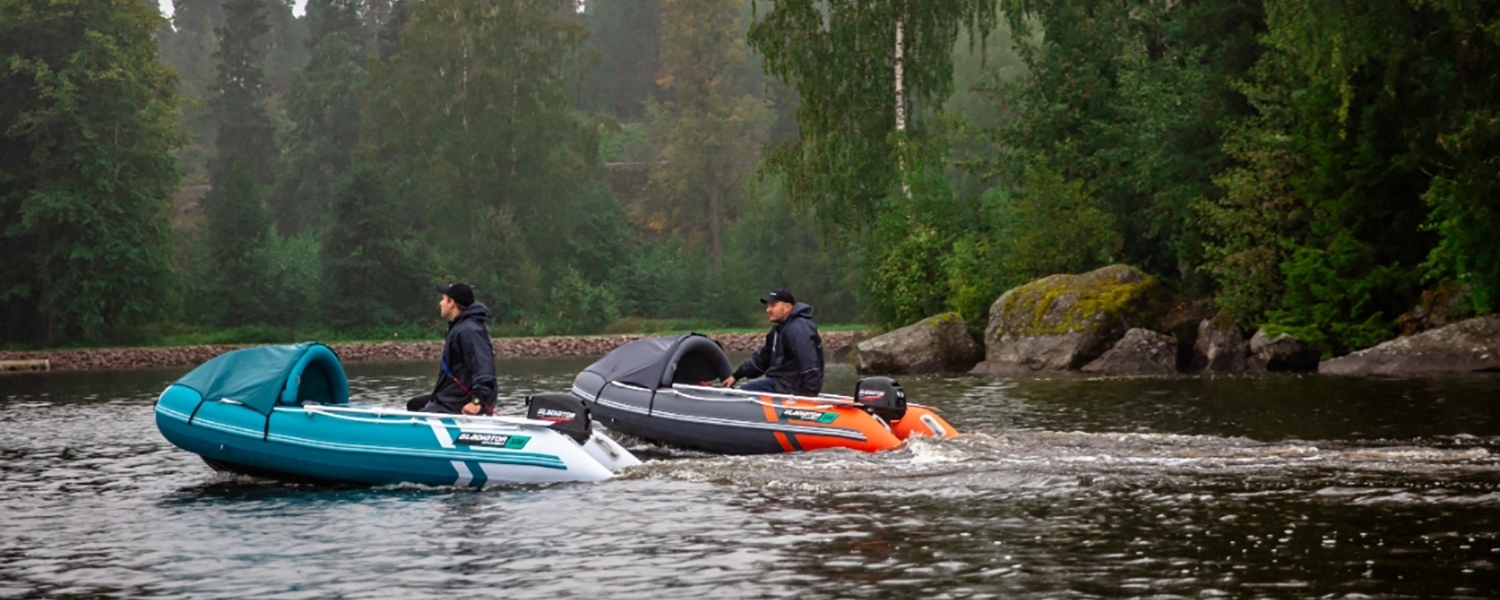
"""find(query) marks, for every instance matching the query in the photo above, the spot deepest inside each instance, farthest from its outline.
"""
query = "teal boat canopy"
(266, 376)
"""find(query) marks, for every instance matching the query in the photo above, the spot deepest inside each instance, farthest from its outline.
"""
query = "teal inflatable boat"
(284, 412)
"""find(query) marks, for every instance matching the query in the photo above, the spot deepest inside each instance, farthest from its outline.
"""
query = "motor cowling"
(567, 413)
(882, 397)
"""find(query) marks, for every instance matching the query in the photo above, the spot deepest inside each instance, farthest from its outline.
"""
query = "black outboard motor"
(882, 397)
(567, 413)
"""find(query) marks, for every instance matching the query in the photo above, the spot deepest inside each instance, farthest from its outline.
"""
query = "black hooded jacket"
(470, 363)
(792, 355)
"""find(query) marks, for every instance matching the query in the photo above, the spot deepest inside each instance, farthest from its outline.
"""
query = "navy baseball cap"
(459, 291)
(780, 295)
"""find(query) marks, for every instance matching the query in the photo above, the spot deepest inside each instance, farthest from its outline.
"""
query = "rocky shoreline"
(1118, 320)
(107, 359)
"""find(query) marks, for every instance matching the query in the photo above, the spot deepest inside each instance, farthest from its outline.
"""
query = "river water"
(1067, 487)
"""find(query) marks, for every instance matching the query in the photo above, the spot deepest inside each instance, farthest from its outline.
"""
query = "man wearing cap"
(792, 357)
(466, 371)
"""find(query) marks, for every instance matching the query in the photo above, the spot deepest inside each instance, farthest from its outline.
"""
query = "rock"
(1219, 348)
(1141, 351)
(1066, 321)
(1281, 353)
(939, 344)
(1463, 347)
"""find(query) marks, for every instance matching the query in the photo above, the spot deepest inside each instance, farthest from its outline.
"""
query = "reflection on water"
(1067, 486)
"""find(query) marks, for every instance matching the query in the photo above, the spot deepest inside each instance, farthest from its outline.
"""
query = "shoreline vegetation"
(109, 359)
(1321, 171)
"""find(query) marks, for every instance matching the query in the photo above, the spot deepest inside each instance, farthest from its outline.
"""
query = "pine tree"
(238, 223)
(324, 110)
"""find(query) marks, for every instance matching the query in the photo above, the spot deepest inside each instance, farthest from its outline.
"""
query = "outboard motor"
(882, 397)
(567, 413)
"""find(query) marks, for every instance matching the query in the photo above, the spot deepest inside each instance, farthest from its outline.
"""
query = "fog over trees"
(243, 171)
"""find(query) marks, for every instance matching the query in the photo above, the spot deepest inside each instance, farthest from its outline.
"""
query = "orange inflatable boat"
(652, 389)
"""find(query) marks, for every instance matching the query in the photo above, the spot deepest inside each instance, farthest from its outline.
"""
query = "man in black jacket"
(792, 357)
(466, 371)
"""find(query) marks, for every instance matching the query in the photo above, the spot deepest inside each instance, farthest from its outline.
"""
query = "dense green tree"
(841, 57)
(1252, 225)
(86, 131)
(1129, 97)
(189, 46)
(323, 107)
(372, 267)
(477, 114)
(869, 157)
(713, 125)
(1366, 119)
(285, 44)
(626, 37)
(236, 276)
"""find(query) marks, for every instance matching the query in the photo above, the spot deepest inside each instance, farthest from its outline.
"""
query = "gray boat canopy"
(661, 361)
(260, 378)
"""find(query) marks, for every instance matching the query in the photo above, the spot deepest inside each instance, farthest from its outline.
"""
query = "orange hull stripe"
(769, 410)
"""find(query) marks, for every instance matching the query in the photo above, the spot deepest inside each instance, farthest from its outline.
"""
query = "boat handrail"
(682, 394)
(820, 398)
(752, 396)
(413, 417)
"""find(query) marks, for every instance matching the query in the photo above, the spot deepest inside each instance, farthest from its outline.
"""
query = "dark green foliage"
(372, 267)
(1251, 225)
(1130, 97)
(236, 281)
(239, 93)
(189, 46)
(839, 56)
(905, 280)
(476, 115)
(1364, 114)
(625, 36)
(773, 244)
(1333, 295)
(323, 106)
(1465, 192)
(230, 287)
(712, 126)
(85, 170)
(1050, 225)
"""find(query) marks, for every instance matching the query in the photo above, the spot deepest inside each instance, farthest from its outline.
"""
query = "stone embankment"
(148, 358)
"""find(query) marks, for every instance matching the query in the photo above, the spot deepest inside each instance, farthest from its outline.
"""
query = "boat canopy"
(266, 376)
(659, 362)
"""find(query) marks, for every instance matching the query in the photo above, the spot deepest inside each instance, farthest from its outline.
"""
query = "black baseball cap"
(780, 295)
(459, 291)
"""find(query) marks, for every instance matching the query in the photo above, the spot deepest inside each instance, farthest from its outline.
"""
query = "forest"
(245, 172)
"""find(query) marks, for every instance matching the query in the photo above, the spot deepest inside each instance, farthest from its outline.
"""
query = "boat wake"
(1052, 461)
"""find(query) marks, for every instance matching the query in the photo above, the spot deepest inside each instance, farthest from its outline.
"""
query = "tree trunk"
(715, 241)
(901, 106)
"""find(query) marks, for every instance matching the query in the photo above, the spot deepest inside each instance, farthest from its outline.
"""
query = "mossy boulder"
(1065, 321)
(939, 344)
